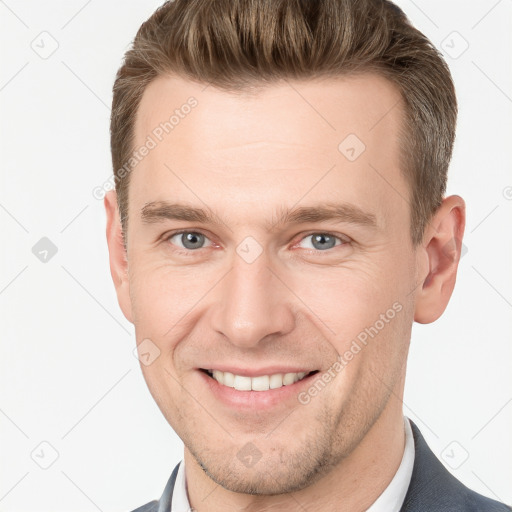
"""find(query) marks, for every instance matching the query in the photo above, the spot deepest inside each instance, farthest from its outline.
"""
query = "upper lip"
(255, 372)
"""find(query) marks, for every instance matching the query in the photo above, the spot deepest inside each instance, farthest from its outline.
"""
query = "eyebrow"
(159, 211)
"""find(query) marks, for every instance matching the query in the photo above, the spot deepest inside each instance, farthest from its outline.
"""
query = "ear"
(440, 252)
(117, 255)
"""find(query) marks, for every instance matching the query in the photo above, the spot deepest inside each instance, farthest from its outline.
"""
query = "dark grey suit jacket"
(432, 488)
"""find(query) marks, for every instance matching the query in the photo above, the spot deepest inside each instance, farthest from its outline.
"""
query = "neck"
(352, 485)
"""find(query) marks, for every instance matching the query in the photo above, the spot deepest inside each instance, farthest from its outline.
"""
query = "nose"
(252, 304)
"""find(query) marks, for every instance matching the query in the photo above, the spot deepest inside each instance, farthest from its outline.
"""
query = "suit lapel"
(432, 486)
(164, 504)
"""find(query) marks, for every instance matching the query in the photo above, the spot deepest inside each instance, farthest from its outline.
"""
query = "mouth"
(256, 383)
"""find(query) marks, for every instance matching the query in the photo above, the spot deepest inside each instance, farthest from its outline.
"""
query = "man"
(279, 222)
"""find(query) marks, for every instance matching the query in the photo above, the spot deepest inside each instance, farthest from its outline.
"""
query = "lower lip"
(256, 400)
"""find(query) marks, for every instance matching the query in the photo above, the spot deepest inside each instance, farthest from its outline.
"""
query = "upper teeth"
(260, 383)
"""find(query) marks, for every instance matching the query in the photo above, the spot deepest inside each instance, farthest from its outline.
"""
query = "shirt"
(390, 500)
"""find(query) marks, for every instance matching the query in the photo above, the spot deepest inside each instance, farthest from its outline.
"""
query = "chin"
(279, 472)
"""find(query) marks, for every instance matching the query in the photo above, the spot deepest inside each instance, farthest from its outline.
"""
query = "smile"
(257, 383)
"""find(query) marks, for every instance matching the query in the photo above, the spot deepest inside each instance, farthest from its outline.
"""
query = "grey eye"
(322, 241)
(189, 240)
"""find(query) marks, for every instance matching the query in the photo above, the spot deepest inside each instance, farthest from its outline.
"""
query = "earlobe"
(442, 251)
(117, 254)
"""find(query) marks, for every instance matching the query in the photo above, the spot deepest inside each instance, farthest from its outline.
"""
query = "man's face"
(256, 293)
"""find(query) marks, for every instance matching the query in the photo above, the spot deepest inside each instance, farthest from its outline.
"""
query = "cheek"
(343, 298)
(163, 296)
(359, 308)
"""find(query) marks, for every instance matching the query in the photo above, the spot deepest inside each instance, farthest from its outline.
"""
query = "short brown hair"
(234, 45)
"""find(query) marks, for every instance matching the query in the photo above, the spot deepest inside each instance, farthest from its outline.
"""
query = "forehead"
(330, 107)
(335, 139)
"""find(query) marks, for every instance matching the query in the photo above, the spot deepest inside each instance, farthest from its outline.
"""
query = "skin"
(246, 157)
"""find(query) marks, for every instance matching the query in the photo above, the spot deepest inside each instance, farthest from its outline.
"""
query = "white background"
(68, 374)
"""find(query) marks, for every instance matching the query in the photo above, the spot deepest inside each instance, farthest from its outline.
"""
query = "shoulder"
(434, 488)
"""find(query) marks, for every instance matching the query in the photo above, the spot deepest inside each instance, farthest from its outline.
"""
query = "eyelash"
(190, 252)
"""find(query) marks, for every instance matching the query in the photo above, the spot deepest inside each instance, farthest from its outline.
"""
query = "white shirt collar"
(389, 501)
